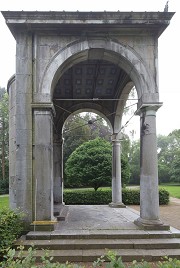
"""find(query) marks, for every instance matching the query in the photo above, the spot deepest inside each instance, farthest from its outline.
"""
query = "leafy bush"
(11, 226)
(90, 197)
(163, 197)
(21, 260)
(18, 259)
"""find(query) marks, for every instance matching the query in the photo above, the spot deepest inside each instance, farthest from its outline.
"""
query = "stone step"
(102, 234)
(76, 244)
(127, 255)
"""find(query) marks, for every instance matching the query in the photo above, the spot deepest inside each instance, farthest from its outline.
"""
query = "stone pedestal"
(116, 174)
(149, 193)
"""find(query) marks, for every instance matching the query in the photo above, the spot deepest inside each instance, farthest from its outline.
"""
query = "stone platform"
(88, 232)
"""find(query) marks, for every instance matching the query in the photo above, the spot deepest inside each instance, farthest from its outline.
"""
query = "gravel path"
(169, 213)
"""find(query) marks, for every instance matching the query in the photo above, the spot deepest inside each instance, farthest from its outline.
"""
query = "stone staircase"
(88, 245)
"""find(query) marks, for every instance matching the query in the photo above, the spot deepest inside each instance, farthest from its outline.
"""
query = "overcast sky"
(168, 116)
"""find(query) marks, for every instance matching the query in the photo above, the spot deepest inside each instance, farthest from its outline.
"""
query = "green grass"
(174, 190)
(4, 201)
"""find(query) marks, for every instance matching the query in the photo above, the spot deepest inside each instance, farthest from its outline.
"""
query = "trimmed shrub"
(11, 226)
(163, 197)
(131, 196)
(103, 197)
(90, 165)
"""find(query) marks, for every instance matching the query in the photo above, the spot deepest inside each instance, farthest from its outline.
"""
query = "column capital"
(43, 106)
(116, 137)
(151, 108)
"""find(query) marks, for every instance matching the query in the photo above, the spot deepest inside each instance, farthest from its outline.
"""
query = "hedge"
(91, 197)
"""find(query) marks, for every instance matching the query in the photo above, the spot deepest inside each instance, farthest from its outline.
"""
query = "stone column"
(149, 194)
(57, 163)
(20, 150)
(116, 173)
(43, 165)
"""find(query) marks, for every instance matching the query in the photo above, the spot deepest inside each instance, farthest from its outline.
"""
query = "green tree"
(90, 165)
(175, 169)
(168, 156)
(4, 134)
(134, 161)
(81, 128)
(75, 132)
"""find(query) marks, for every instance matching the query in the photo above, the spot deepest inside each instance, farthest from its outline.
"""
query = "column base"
(151, 224)
(43, 225)
(117, 205)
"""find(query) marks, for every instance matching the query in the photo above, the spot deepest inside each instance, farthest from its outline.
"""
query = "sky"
(168, 116)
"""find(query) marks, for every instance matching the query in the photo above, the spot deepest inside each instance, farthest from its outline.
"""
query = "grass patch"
(174, 190)
(4, 201)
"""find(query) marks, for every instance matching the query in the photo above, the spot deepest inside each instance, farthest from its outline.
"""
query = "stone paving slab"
(169, 214)
(98, 217)
(99, 221)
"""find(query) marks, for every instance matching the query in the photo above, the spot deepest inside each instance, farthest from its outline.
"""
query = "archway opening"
(98, 86)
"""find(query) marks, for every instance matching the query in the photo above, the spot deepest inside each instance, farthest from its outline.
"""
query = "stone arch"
(93, 110)
(122, 55)
(94, 107)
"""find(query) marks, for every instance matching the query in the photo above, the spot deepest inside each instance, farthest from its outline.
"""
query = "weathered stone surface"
(79, 61)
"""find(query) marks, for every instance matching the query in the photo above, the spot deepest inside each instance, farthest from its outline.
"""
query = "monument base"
(43, 225)
(117, 205)
(151, 224)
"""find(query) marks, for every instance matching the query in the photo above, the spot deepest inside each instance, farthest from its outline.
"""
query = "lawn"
(174, 190)
(4, 201)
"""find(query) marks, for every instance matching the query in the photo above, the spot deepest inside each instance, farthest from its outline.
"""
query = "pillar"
(116, 173)
(43, 165)
(149, 193)
(20, 138)
(57, 166)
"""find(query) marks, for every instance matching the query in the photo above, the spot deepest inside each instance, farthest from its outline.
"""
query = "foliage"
(163, 197)
(168, 149)
(4, 134)
(174, 190)
(4, 186)
(134, 162)
(90, 197)
(169, 263)
(125, 171)
(28, 259)
(114, 261)
(175, 169)
(77, 130)
(90, 165)
(169, 157)
(11, 226)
